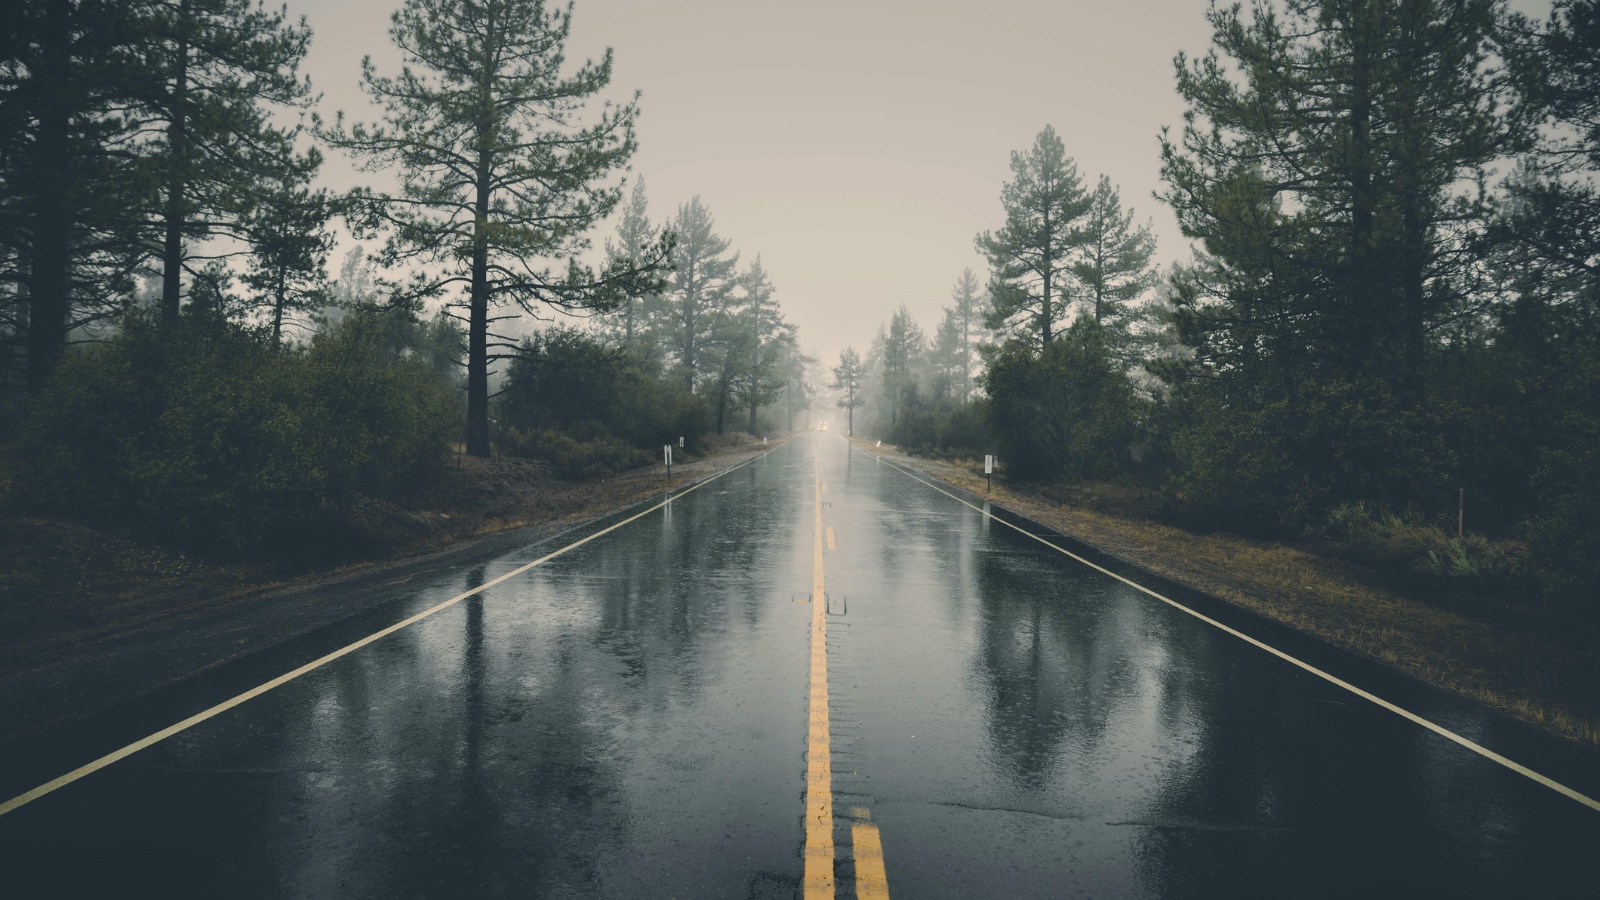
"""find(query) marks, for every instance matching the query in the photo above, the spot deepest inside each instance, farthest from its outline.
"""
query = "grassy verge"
(1527, 666)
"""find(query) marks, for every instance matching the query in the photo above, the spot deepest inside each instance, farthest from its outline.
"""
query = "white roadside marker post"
(988, 473)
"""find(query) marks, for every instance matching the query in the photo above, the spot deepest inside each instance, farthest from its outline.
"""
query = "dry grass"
(1529, 669)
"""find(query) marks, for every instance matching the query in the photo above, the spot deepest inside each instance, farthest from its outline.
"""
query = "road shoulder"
(1528, 669)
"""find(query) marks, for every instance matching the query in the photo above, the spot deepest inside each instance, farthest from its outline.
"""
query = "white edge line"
(1440, 730)
(89, 768)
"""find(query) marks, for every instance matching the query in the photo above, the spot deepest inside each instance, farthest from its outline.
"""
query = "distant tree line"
(1392, 304)
(166, 310)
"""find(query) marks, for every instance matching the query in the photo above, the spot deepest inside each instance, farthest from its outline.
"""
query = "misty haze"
(469, 448)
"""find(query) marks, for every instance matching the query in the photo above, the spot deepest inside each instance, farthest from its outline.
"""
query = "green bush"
(564, 380)
(950, 430)
(576, 460)
(223, 444)
(1564, 536)
(1426, 556)
(1068, 413)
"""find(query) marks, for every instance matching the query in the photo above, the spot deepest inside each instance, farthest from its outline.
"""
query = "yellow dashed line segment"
(872, 882)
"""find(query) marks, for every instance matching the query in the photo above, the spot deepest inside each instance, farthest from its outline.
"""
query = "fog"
(857, 146)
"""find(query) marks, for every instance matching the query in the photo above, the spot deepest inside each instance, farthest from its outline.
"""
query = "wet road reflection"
(1026, 722)
(617, 723)
(629, 720)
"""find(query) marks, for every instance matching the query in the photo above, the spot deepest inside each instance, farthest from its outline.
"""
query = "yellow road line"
(819, 764)
(872, 882)
(1440, 730)
(156, 738)
(831, 544)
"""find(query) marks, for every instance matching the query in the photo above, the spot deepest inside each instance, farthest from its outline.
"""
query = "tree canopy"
(501, 180)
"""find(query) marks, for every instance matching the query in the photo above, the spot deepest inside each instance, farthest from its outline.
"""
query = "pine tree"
(696, 297)
(759, 384)
(946, 357)
(500, 180)
(903, 347)
(216, 66)
(635, 240)
(1114, 270)
(1331, 165)
(1031, 256)
(1332, 181)
(792, 368)
(290, 242)
(847, 377)
(76, 186)
(968, 313)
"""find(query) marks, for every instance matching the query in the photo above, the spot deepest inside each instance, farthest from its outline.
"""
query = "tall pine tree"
(501, 181)
(77, 187)
(1331, 166)
(1030, 257)
(1113, 268)
(696, 297)
(215, 68)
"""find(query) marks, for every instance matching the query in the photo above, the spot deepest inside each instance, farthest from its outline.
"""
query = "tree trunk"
(478, 323)
(277, 308)
(755, 384)
(178, 161)
(1044, 302)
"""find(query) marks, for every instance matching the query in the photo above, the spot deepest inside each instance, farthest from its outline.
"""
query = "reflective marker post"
(666, 453)
(988, 472)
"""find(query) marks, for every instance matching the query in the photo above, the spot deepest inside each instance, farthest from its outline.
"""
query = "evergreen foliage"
(1031, 256)
(583, 405)
(214, 69)
(847, 376)
(965, 315)
(289, 244)
(1114, 273)
(902, 346)
(500, 180)
(1332, 166)
(77, 184)
(631, 323)
(1066, 413)
(224, 444)
(696, 298)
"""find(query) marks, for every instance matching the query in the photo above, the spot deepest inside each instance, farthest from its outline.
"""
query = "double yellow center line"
(871, 882)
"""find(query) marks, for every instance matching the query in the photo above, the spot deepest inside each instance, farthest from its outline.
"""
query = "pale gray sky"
(858, 146)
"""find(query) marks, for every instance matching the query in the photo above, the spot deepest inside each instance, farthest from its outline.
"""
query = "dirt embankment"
(1518, 661)
(92, 615)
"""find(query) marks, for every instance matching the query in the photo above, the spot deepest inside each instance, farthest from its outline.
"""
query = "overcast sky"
(856, 145)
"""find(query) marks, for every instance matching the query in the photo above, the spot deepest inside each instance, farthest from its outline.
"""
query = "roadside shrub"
(565, 380)
(225, 445)
(1423, 555)
(1382, 540)
(576, 460)
(1469, 558)
(1564, 537)
(1067, 413)
(946, 429)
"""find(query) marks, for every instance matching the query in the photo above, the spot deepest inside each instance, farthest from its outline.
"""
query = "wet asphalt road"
(629, 719)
